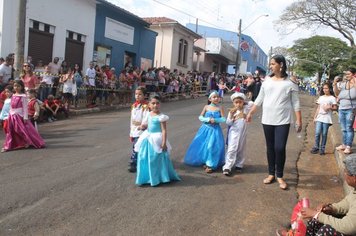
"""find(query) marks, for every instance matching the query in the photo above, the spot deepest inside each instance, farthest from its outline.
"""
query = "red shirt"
(29, 81)
(31, 107)
(2, 99)
(51, 103)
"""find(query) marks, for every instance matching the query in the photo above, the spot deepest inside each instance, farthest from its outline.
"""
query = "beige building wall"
(167, 47)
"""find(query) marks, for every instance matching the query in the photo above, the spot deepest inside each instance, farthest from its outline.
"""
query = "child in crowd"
(139, 110)
(237, 132)
(46, 83)
(323, 118)
(222, 86)
(51, 108)
(4, 115)
(21, 133)
(153, 163)
(33, 107)
(208, 147)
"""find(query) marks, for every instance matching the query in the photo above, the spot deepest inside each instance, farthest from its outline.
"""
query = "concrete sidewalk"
(321, 177)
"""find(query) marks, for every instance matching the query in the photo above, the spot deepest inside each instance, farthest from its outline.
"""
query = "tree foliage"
(320, 54)
(339, 15)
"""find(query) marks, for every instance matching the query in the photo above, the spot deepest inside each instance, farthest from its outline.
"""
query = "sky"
(225, 14)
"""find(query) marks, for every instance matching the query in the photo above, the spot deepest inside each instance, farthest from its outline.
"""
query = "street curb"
(336, 137)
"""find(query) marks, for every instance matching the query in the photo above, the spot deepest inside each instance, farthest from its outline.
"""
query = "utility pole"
(196, 25)
(20, 37)
(238, 54)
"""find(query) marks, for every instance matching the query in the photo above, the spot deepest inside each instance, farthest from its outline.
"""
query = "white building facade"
(63, 29)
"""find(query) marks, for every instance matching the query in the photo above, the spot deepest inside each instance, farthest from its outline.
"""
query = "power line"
(187, 14)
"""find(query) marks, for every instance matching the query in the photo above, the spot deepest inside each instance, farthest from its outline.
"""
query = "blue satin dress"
(207, 147)
(153, 164)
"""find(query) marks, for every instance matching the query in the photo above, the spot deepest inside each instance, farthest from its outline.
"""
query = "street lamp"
(239, 40)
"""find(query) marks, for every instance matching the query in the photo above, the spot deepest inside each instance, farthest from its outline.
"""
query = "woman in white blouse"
(279, 98)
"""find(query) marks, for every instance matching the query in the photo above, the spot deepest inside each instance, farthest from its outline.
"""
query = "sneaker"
(50, 120)
(54, 119)
(340, 147)
(226, 172)
(322, 153)
(314, 150)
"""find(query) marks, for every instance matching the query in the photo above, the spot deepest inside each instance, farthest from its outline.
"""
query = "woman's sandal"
(3, 150)
(270, 179)
(282, 184)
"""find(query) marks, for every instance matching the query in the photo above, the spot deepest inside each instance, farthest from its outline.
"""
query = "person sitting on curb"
(335, 219)
(51, 108)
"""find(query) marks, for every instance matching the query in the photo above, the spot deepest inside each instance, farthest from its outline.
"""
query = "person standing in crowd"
(257, 87)
(46, 83)
(28, 78)
(6, 72)
(78, 79)
(139, 111)
(33, 107)
(21, 133)
(323, 118)
(208, 146)
(153, 162)
(67, 80)
(222, 86)
(279, 97)
(90, 75)
(55, 70)
(346, 94)
(236, 134)
(112, 86)
(5, 111)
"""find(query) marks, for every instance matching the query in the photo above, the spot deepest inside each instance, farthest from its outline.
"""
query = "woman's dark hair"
(281, 60)
(19, 82)
(352, 70)
(329, 86)
(155, 96)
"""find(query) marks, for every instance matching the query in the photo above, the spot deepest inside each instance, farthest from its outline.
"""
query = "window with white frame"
(182, 52)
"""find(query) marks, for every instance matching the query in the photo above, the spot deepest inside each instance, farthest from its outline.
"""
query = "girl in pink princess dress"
(21, 133)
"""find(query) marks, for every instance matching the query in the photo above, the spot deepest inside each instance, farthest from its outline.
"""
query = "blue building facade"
(252, 56)
(121, 38)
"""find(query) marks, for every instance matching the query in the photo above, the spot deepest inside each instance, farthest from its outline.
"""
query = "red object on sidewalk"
(297, 222)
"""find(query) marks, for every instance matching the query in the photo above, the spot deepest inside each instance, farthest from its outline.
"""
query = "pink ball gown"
(22, 134)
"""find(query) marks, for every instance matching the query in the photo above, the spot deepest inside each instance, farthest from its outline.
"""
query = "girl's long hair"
(330, 89)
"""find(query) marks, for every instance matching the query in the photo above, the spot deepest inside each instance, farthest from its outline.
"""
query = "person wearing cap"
(236, 134)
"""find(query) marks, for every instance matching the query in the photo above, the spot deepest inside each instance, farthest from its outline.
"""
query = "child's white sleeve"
(229, 121)
(248, 107)
(145, 117)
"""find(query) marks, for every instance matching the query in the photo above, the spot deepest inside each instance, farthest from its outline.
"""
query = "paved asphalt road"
(79, 184)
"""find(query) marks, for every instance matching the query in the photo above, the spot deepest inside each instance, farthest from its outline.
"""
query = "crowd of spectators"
(60, 86)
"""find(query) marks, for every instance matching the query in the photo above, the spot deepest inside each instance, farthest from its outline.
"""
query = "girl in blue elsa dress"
(208, 148)
(153, 163)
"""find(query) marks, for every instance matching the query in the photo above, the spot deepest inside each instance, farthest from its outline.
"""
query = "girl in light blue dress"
(208, 148)
(153, 163)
